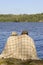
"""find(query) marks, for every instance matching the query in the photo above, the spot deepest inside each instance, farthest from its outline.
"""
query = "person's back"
(9, 46)
(25, 48)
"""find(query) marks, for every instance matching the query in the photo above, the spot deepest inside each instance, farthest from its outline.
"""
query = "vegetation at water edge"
(21, 18)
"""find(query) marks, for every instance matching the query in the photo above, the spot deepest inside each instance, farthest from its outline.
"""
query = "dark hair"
(24, 32)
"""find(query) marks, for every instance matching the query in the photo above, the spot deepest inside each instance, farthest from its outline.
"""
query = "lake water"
(35, 30)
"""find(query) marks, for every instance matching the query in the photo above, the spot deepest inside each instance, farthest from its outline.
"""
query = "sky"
(21, 6)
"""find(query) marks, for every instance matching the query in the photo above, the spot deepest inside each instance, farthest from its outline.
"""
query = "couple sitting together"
(19, 47)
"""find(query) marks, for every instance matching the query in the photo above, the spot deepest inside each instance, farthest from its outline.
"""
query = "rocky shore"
(13, 61)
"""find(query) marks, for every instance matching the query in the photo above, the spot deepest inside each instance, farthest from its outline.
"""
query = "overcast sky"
(21, 6)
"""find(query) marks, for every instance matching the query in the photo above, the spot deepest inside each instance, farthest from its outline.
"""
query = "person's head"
(14, 34)
(24, 32)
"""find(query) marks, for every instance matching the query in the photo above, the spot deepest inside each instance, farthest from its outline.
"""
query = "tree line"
(21, 18)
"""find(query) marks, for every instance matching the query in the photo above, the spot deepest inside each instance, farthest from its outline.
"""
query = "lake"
(35, 30)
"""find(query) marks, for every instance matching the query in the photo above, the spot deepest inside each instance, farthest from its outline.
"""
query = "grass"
(12, 61)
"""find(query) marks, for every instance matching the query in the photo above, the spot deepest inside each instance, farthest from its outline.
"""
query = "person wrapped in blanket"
(20, 47)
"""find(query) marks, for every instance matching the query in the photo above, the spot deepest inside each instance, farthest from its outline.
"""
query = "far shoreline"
(21, 17)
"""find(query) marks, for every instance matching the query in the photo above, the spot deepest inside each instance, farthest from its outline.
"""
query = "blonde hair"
(14, 34)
